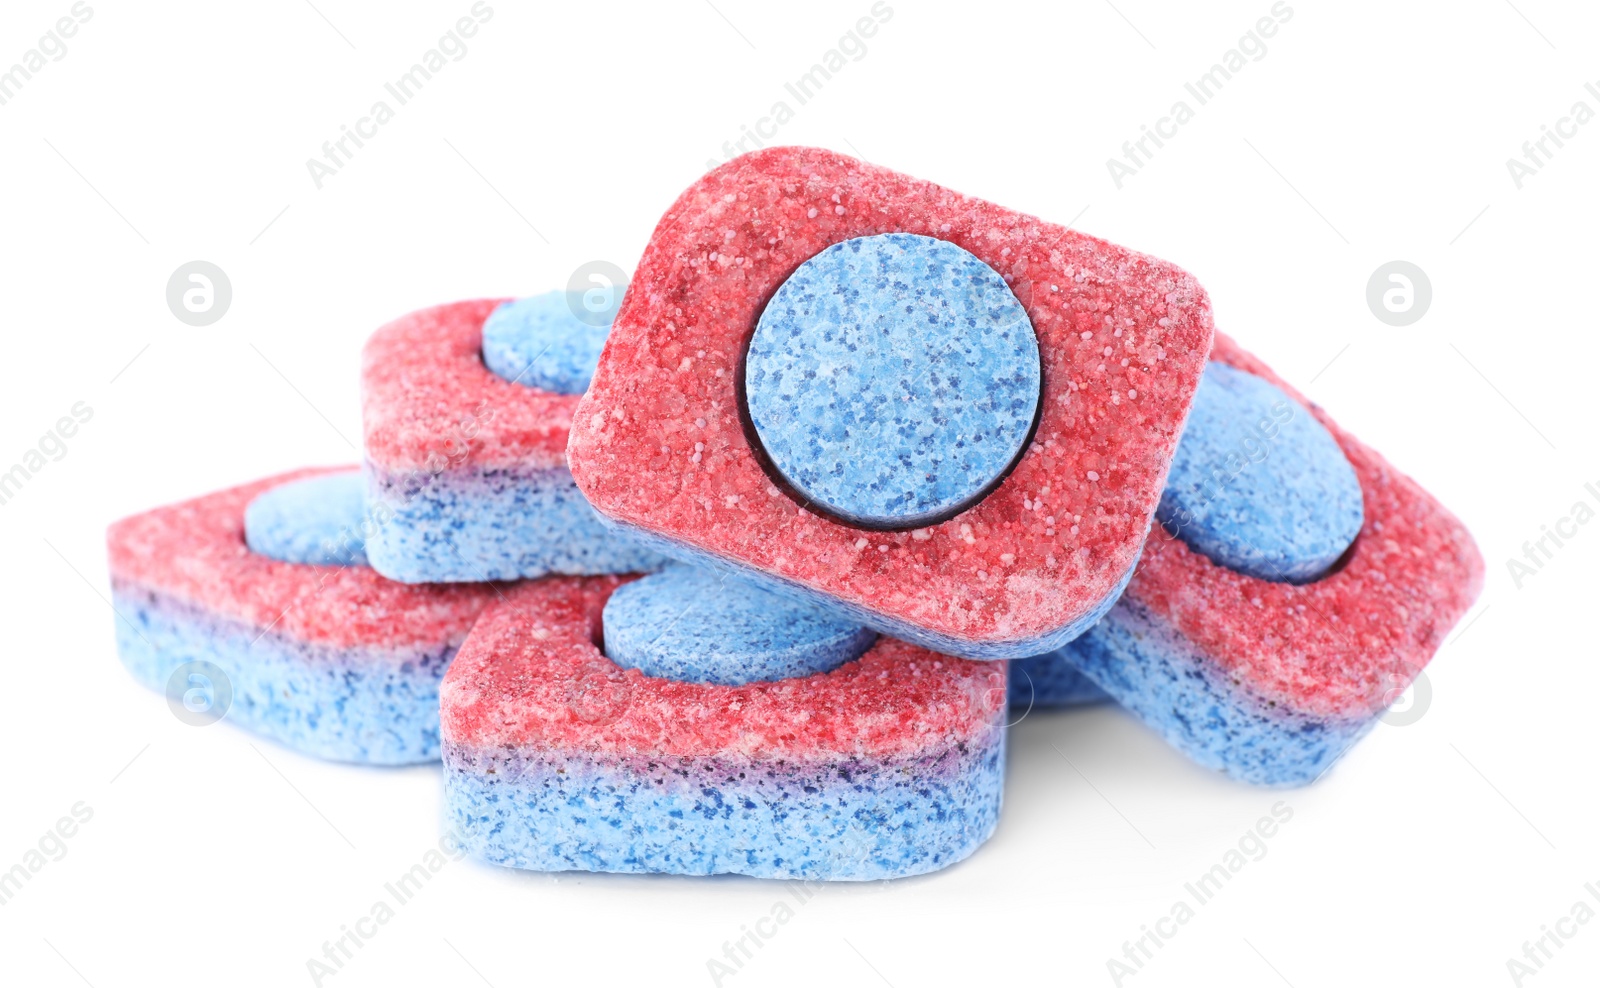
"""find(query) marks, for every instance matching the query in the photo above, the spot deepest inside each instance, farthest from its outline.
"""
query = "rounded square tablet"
(335, 661)
(466, 471)
(661, 443)
(556, 759)
(1272, 681)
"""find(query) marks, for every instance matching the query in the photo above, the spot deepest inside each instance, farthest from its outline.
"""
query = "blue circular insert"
(540, 342)
(893, 380)
(1257, 484)
(698, 626)
(315, 520)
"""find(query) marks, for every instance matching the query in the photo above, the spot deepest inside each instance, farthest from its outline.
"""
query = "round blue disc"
(1257, 484)
(892, 380)
(315, 520)
(698, 626)
(542, 343)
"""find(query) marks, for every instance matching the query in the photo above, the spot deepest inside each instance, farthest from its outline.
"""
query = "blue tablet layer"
(317, 520)
(664, 547)
(375, 706)
(475, 524)
(695, 625)
(849, 819)
(892, 380)
(1049, 680)
(541, 342)
(1257, 484)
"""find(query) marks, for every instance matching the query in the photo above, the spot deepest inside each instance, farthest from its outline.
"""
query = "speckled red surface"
(429, 403)
(657, 441)
(195, 551)
(531, 675)
(1340, 644)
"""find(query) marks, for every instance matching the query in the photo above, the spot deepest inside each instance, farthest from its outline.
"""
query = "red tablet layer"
(195, 551)
(657, 441)
(429, 403)
(1345, 643)
(531, 673)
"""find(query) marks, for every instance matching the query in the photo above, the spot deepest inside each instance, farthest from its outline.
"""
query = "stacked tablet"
(744, 575)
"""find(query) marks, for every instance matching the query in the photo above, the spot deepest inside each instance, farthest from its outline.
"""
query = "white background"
(1368, 132)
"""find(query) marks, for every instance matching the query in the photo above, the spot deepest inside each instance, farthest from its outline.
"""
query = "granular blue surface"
(541, 342)
(893, 379)
(1257, 484)
(695, 625)
(857, 614)
(318, 520)
(474, 524)
(835, 819)
(1178, 691)
(364, 705)
(1049, 680)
